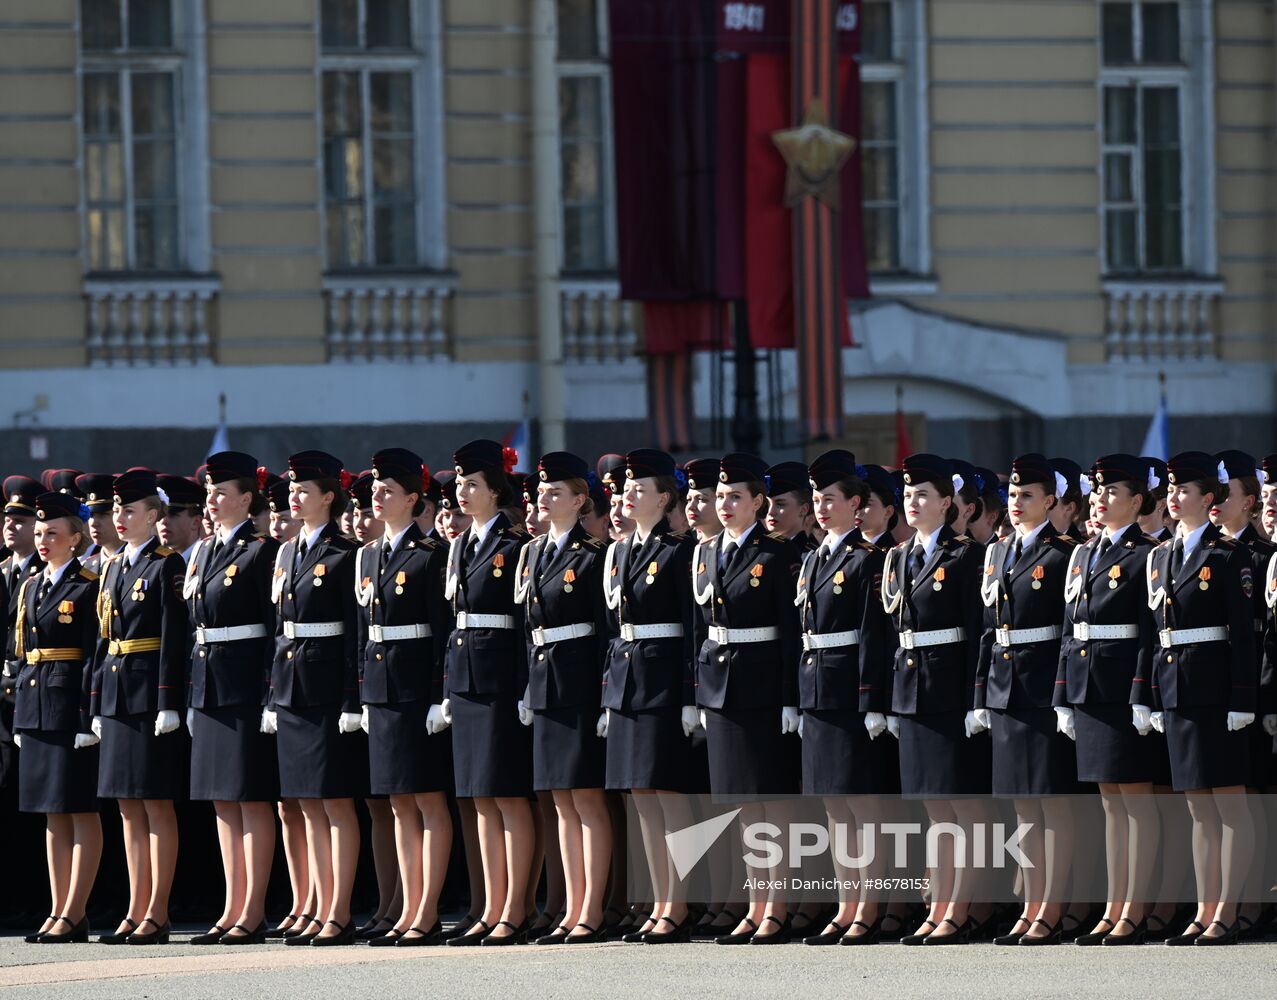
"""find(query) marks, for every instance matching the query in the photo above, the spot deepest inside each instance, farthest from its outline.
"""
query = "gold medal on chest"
(1203, 579)
(231, 570)
(652, 568)
(497, 562)
(755, 572)
(1115, 574)
(401, 578)
(839, 578)
(318, 579)
(938, 576)
(569, 577)
(1039, 573)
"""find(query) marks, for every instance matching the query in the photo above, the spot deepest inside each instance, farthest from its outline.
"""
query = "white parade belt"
(731, 636)
(910, 639)
(1024, 636)
(1084, 632)
(632, 633)
(232, 633)
(545, 636)
(831, 640)
(467, 619)
(313, 630)
(391, 633)
(1187, 636)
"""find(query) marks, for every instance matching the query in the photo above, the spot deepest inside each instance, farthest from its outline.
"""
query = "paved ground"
(178, 971)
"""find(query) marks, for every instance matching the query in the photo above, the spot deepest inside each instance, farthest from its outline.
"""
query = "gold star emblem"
(815, 154)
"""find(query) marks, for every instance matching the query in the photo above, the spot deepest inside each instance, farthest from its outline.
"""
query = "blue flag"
(1157, 442)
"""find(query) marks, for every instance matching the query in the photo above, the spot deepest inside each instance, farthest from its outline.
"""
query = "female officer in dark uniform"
(648, 684)
(1033, 760)
(560, 585)
(55, 635)
(314, 699)
(1201, 591)
(747, 684)
(228, 593)
(1102, 687)
(931, 590)
(843, 675)
(487, 671)
(139, 693)
(405, 620)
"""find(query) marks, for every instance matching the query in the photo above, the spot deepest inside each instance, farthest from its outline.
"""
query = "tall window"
(585, 131)
(131, 81)
(374, 167)
(1145, 79)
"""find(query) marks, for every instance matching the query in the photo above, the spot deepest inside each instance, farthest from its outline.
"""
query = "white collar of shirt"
(739, 542)
(225, 536)
(874, 540)
(832, 541)
(1113, 535)
(313, 537)
(928, 544)
(23, 563)
(480, 532)
(131, 552)
(395, 540)
(1032, 536)
(1193, 537)
(186, 556)
(561, 541)
(54, 575)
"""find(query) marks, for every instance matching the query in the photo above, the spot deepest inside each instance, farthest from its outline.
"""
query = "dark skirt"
(1030, 757)
(1204, 754)
(747, 752)
(404, 759)
(566, 752)
(231, 759)
(646, 749)
(54, 777)
(1109, 749)
(1160, 755)
(839, 758)
(1261, 755)
(938, 761)
(137, 764)
(316, 761)
(491, 748)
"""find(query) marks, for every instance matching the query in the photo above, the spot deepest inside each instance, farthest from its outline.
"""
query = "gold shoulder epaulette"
(595, 543)
(1151, 540)
(1066, 539)
(867, 546)
(962, 538)
(1228, 543)
(164, 551)
(517, 530)
(777, 536)
(260, 534)
(87, 573)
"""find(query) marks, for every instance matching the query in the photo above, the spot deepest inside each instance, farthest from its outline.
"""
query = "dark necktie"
(824, 555)
(472, 546)
(302, 549)
(730, 550)
(217, 546)
(1016, 552)
(917, 556)
(1177, 558)
(1105, 544)
(46, 584)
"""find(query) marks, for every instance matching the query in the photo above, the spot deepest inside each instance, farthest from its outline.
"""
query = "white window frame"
(601, 70)
(425, 62)
(908, 71)
(187, 61)
(1194, 79)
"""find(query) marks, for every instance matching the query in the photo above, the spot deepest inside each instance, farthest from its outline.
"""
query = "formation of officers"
(521, 652)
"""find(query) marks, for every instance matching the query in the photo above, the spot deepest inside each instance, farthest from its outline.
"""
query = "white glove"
(800, 725)
(689, 720)
(600, 727)
(1141, 719)
(788, 720)
(875, 724)
(348, 722)
(704, 719)
(1269, 722)
(96, 725)
(445, 706)
(363, 719)
(435, 722)
(270, 722)
(971, 724)
(85, 740)
(1156, 720)
(166, 722)
(17, 740)
(893, 725)
(1064, 722)
(190, 722)
(1239, 720)
(982, 716)
(525, 713)
(6, 670)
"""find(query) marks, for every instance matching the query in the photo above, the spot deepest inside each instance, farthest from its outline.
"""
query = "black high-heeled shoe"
(211, 936)
(118, 937)
(299, 926)
(872, 933)
(255, 936)
(345, 935)
(158, 936)
(303, 938)
(35, 936)
(520, 935)
(782, 936)
(1159, 933)
(387, 940)
(1088, 919)
(893, 933)
(1180, 940)
(738, 937)
(468, 940)
(78, 934)
(1096, 937)
(680, 934)
(1054, 934)
(426, 939)
(1228, 937)
(1136, 936)
(961, 934)
(638, 932)
(460, 927)
(1013, 936)
(595, 936)
(538, 930)
(917, 938)
(554, 937)
(830, 937)
(279, 931)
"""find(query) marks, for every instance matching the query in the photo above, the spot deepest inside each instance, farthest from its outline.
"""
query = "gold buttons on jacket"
(540, 656)
(1082, 653)
(289, 654)
(1169, 658)
(115, 668)
(33, 682)
(722, 657)
(460, 641)
(1006, 656)
(909, 662)
(379, 656)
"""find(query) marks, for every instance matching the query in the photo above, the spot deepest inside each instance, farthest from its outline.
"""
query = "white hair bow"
(958, 483)
(1223, 473)
(162, 495)
(1084, 483)
(1262, 476)
(1061, 485)
(1153, 480)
